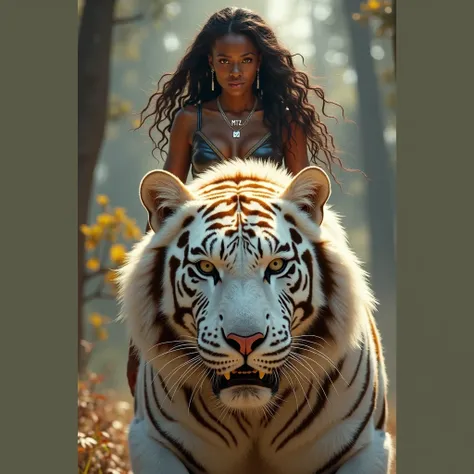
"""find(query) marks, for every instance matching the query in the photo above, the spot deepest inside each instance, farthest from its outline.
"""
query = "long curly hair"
(284, 90)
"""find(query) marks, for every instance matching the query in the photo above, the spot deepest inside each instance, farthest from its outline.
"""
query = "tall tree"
(375, 158)
(94, 105)
(95, 40)
(394, 34)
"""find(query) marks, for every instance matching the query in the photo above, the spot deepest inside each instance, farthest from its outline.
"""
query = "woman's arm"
(179, 154)
(295, 151)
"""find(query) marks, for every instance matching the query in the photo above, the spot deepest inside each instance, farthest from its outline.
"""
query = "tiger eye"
(206, 266)
(276, 264)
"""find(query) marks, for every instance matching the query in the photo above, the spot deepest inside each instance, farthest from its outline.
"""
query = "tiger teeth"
(235, 372)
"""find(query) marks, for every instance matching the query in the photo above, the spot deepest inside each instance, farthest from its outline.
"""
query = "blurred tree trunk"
(95, 39)
(377, 166)
(394, 35)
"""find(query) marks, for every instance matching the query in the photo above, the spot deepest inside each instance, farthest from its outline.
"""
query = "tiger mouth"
(245, 375)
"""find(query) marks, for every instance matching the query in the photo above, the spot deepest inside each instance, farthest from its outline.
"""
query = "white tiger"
(253, 320)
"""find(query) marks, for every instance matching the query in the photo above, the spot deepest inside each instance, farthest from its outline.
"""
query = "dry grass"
(102, 430)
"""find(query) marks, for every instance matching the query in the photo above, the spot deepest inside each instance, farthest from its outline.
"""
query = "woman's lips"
(235, 85)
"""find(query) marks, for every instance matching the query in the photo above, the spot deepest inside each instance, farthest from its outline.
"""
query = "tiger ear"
(309, 190)
(162, 193)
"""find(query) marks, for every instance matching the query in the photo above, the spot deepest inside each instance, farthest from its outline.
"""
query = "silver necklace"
(237, 122)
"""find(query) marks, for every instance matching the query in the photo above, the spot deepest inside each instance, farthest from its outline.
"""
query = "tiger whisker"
(183, 378)
(178, 347)
(309, 341)
(182, 366)
(302, 336)
(202, 382)
(175, 341)
(298, 404)
(299, 381)
(176, 369)
(311, 371)
(299, 341)
(291, 386)
(324, 356)
(266, 412)
(170, 361)
(196, 387)
(188, 352)
(195, 366)
(225, 410)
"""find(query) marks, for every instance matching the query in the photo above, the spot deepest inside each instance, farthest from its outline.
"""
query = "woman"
(236, 92)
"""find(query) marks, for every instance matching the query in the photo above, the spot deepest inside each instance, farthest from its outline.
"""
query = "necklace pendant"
(236, 134)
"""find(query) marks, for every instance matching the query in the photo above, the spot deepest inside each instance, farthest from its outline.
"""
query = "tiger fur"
(254, 324)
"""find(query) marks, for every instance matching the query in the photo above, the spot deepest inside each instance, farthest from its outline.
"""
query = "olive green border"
(38, 47)
(435, 429)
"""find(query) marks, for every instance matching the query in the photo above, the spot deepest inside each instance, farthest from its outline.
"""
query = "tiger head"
(245, 268)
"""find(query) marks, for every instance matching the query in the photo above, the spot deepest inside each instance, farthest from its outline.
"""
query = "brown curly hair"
(284, 90)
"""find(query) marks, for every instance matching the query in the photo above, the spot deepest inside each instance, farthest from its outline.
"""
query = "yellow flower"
(120, 214)
(93, 264)
(132, 232)
(105, 220)
(132, 52)
(90, 244)
(136, 123)
(125, 106)
(85, 229)
(127, 233)
(137, 233)
(117, 253)
(373, 5)
(110, 276)
(96, 232)
(102, 334)
(102, 200)
(112, 236)
(96, 320)
(113, 110)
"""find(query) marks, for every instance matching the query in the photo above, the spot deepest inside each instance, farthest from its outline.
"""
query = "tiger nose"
(244, 344)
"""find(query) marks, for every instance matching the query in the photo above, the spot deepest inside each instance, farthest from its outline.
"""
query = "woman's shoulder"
(187, 112)
(192, 109)
(185, 118)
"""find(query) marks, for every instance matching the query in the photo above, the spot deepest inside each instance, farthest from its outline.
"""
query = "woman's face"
(235, 60)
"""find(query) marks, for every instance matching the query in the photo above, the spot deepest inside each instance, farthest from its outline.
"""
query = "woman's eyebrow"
(227, 56)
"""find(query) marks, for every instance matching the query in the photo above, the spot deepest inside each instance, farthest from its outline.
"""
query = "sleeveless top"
(205, 154)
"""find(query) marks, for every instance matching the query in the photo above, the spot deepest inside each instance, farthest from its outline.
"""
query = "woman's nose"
(235, 69)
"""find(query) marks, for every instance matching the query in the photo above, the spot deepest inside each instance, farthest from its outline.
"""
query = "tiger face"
(234, 269)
